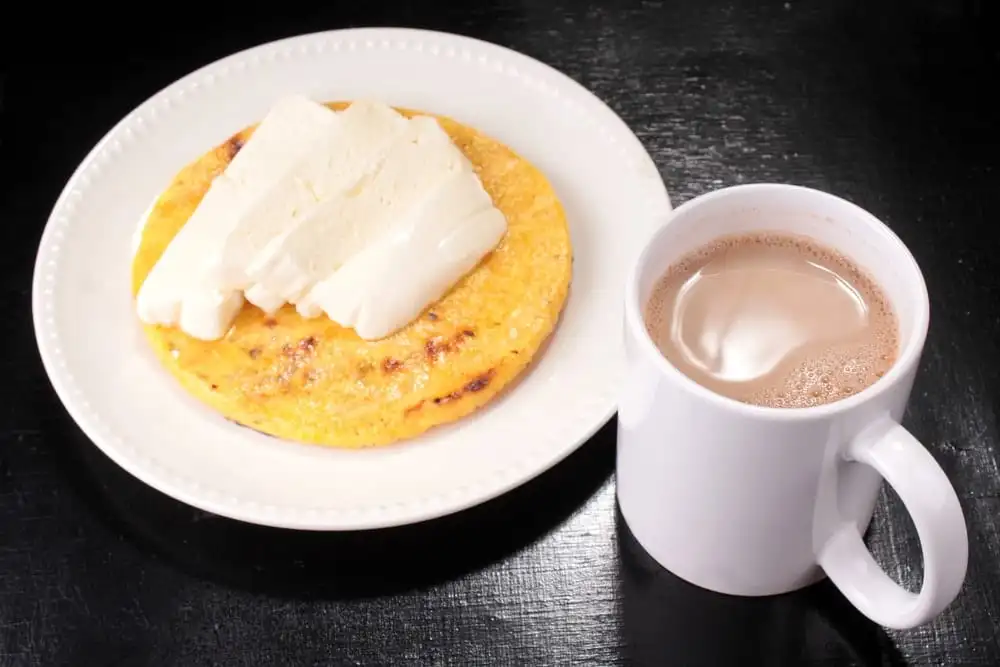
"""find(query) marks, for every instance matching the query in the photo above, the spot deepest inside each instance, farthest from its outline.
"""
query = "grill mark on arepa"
(438, 346)
(481, 382)
(234, 145)
(478, 383)
(297, 357)
(390, 365)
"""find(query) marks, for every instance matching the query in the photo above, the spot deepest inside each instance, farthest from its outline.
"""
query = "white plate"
(101, 368)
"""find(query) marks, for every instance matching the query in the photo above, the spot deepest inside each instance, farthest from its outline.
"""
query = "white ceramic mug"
(750, 500)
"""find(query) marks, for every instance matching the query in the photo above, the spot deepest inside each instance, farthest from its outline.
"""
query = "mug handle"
(931, 501)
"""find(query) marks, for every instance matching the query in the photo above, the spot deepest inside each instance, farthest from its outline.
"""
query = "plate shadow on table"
(666, 620)
(333, 565)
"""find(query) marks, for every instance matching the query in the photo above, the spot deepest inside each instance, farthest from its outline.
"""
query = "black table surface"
(884, 103)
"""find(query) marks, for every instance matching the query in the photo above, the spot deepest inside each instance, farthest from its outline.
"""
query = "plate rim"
(293, 518)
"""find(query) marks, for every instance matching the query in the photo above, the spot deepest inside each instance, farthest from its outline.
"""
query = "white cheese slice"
(183, 288)
(364, 215)
(418, 163)
(390, 282)
(335, 165)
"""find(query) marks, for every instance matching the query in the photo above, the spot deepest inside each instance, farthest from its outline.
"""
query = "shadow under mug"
(749, 500)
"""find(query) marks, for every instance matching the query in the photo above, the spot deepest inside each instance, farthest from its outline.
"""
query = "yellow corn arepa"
(314, 381)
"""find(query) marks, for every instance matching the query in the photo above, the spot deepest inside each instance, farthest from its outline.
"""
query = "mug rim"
(907, 357)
